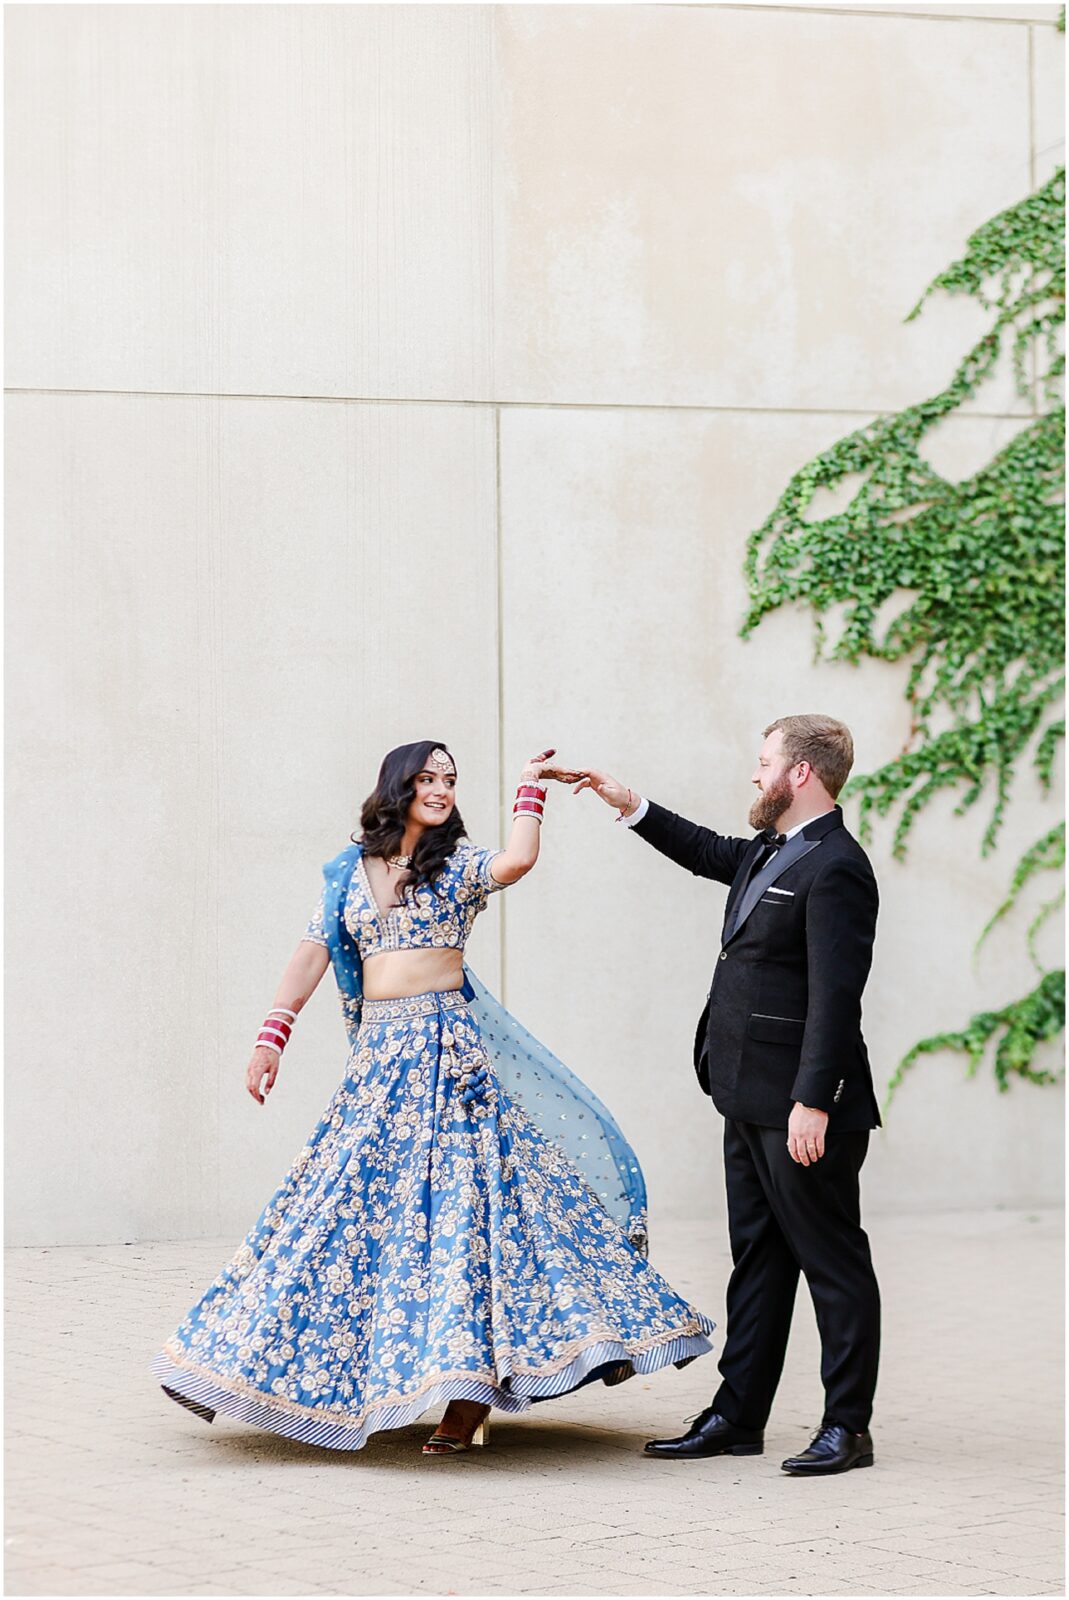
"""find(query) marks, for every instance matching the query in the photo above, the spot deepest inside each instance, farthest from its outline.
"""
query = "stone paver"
(114, 1490)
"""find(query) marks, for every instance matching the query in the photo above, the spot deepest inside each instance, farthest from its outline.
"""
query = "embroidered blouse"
(434, 918)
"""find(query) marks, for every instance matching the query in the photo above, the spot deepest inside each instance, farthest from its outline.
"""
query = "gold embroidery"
(346, 1418)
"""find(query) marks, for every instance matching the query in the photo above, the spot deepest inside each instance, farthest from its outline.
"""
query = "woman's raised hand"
(606, 788)
(538, 767)
(551, 769)
(261, 1072)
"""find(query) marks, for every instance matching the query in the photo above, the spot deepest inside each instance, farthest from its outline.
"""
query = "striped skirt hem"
(204, 1394)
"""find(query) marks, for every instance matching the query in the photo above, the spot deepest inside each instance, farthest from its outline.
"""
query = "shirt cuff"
(636, 815)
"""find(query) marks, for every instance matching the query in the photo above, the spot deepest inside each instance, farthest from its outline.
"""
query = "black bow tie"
(774, 839)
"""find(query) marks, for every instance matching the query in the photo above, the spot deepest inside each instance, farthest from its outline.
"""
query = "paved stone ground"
(113, 1489)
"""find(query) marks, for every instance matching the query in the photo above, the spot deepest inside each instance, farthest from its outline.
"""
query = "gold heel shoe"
(440, 1444)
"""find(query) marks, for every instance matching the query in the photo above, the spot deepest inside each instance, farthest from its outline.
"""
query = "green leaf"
(980, 565)
(1024, 1024)
(1046, 855)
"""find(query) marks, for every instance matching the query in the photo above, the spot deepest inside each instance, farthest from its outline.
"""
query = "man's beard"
(771, 803)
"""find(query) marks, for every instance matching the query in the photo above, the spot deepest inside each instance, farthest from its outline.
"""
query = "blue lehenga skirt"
(424, 1246)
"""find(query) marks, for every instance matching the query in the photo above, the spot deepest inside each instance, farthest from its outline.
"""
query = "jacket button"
(723, 955)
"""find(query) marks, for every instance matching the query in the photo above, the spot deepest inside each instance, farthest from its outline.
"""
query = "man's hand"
(608, 789)
(805, 1133)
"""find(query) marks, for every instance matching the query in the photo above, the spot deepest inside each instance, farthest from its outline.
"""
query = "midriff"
(395, 974)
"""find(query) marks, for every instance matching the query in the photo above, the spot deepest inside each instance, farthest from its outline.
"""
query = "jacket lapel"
(743, 880)
(792, 852)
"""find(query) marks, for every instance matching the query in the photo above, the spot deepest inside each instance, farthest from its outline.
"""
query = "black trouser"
(783, 1217)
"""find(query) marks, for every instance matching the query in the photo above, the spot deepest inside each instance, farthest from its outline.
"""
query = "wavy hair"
(384, 814)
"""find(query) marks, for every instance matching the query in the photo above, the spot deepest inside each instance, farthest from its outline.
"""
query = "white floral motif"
(420, 1247)
(437, 918)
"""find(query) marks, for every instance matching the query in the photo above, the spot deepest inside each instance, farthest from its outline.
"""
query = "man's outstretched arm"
(688, 844)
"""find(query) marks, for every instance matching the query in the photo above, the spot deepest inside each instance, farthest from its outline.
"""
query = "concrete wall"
(377, 372)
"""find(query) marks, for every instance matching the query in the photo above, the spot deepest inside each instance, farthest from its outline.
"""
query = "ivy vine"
(980, 564)
(1024, 1022)
(1046, 855)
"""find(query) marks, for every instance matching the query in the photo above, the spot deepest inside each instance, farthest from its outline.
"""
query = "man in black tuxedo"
(780, 1051)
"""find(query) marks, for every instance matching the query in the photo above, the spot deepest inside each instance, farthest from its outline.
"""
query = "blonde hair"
(822, 741)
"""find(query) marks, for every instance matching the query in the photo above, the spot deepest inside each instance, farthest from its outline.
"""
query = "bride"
(466, 1223)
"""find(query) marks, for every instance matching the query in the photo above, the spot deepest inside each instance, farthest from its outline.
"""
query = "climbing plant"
(977, 569)
(1047, 854)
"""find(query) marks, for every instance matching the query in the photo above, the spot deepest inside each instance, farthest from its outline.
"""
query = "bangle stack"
(530, 801)
(276, 1030)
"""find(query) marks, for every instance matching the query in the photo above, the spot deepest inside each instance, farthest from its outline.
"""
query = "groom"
(779, 1049)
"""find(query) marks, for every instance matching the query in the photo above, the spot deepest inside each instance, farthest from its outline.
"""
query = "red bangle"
(530, 797)
(273, 1025)
(276, 1029)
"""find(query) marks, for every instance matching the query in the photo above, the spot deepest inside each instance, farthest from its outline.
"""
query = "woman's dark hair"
(385, 812)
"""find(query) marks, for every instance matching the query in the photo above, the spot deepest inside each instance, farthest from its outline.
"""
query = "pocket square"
(773, 890)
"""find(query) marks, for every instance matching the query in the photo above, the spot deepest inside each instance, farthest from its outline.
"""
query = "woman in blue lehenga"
(431, 1242)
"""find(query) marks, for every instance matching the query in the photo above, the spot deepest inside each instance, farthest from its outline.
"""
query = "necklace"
(398, 861)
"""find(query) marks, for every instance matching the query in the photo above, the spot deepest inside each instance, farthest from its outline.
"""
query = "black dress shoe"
(834, 1449)
(710, 1435)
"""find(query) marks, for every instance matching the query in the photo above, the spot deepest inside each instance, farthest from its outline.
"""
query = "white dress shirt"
(636, 815)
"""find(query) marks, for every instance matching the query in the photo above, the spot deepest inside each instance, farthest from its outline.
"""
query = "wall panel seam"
(516, 405)
(1031, 109)
(1033, 354)
(502, 804)
(859, 11)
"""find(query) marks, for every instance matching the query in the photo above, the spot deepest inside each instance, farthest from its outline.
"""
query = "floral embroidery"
(438, 917)
(428, 1241)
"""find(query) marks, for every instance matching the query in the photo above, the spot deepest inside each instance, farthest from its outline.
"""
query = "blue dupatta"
(562, 1106)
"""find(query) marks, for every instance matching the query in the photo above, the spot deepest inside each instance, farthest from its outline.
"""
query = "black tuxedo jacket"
(783, 1018)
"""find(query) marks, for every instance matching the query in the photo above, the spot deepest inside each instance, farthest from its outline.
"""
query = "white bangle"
(262, 1044)
(282, 1011)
